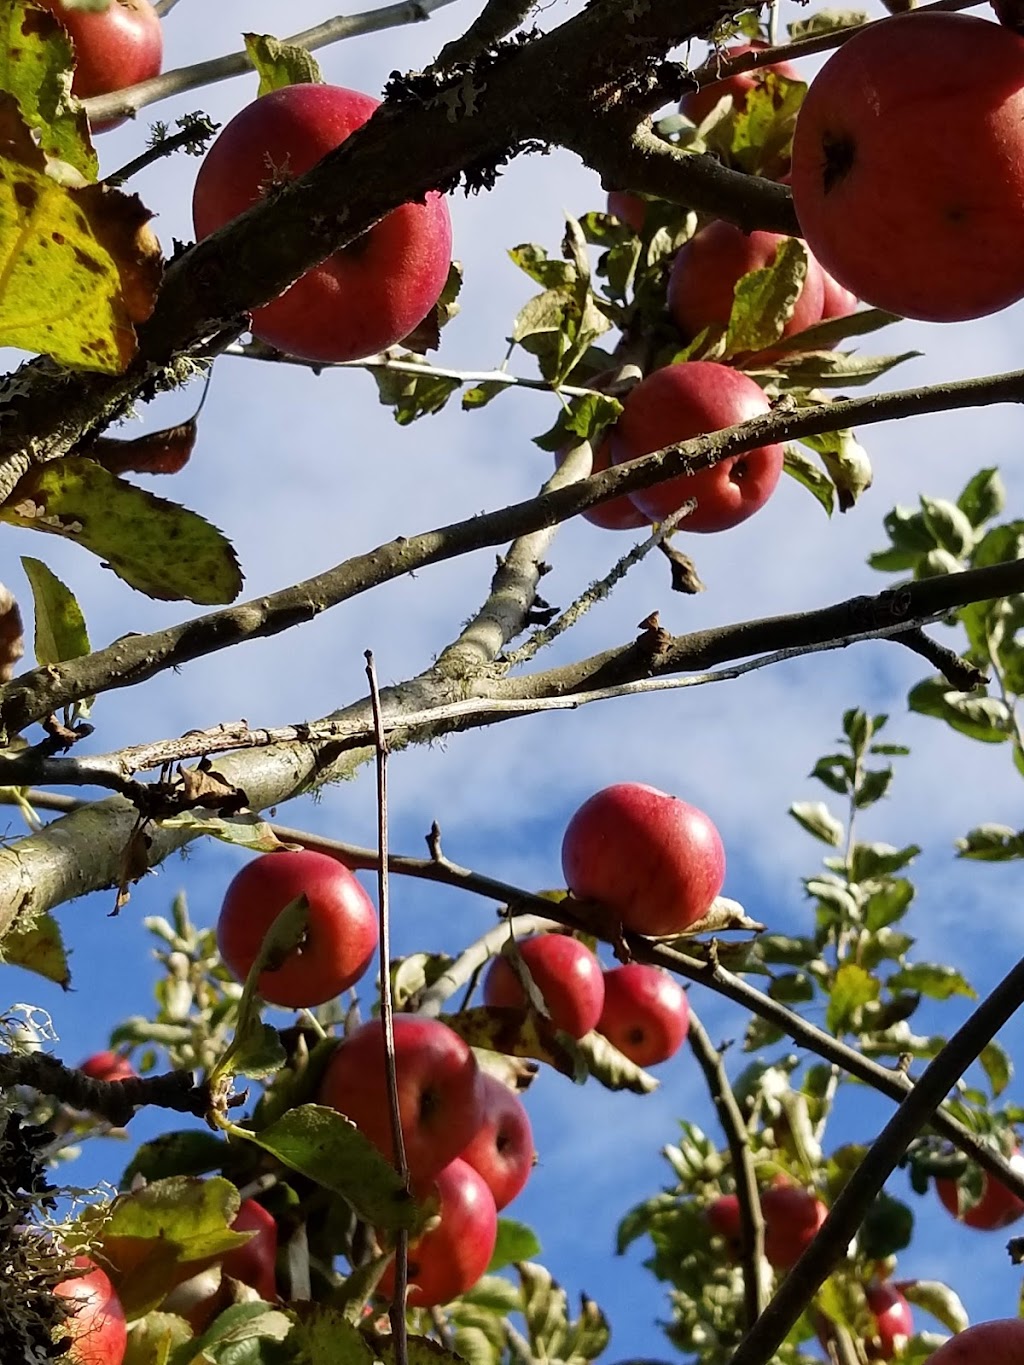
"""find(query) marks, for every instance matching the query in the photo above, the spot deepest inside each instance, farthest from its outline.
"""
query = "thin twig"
(847, 1213)
(709, 1059)
(397, 1310)
(194, 136)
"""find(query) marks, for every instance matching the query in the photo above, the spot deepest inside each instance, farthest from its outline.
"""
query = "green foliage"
(279, 64)
(36, 66)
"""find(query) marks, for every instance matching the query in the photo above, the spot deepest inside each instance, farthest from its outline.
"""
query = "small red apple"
(365, 297)
(115, 48)
(439, 1098)
(566, 973)
(502, 1149)
(708, 267)
(909, 183)
(646, 1014)
(617, 514)
(691, 399)
(651, 858)
(341, 937)
(108, 1066)
(697, 105)
(96, 1325)
(989, 1343)
(253, 1263)
(628, 208)
(723, 1217)
(894, 1321)
(449, 1259)
(998, 1206)
(792, 1216)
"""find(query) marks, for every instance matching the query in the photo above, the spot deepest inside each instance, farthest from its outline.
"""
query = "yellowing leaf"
(40, 949)
(164, 550)
(279, 64)
(78, 265)
(36, 66)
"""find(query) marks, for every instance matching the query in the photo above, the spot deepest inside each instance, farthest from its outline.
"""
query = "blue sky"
(301, 471)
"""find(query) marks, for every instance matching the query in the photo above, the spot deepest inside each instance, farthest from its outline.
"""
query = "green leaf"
(481, 394)
(764, 299)
(879, 860)
(552, 1334)
(802, 468)
(323, 1145)
(611, 1067)
(983, 498)
(235, 1336)
(846, 461)
(834, 369)
(792, 988)
(835, 771)
(887, 1228)
(888, 904)
(910, 539)
(816, 818)
(938, 1300)
(36, 68)
(534, 261)
(60, 626)
(992, 844)
(872, 787)
(245, 829)
(279, 64)
(858, 729)
(188, 1151)
(852, 987)
(258, 1052)
(1000, 545)
(161, 549)
(950, 527)
(154, 1338)
(998, 1067)
(39, 948)
(826, 21)
(983, 718)
(516, 1242)
(413, 395)
(785, 951)
(932, 979)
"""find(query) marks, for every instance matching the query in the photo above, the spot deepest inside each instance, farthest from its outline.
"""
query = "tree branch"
(116, 1101)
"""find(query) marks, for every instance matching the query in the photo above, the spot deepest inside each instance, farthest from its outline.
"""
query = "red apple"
(108, 1066)
(440, 1102)
(652, 859)
(618, 514)
(998, 1206)
(836, 301)
(792, 1216)
(501, 1151)
(708, 267)
(96, 1325)
(628, 208)
(699, 104)
(646, 1014)
(723, 1217)
(253, 1263)
(365, 297)
(115, 48)
(894, 1321)
(449, 1259)
(908, 166)
(989, 1343)
(677, 402)
(566, 973)
(341, 937)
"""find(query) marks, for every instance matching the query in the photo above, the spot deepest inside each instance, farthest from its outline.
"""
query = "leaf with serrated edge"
(36, 66)
(612, 1068)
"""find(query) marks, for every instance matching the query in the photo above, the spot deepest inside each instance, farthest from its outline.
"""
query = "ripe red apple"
(723, 1217)
(646, 1014)
(440, 1102)
(253, 1263)
(108, 1066)
(501, 1151)
(628, 208)
(989, 1343)
(653, 859)
(449, 1259)
(114, 49)
(365, 297)
(998, 1206)
(340, 940)
(697, 105)
(908, 166)
(708, 267)
(618, 514)
(96, 1325)
(792, 1216)
(836, 301)
(894, 1321)
(566, 973)
(677, 402)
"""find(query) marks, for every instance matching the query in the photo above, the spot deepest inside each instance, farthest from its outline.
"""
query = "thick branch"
(116, 1101)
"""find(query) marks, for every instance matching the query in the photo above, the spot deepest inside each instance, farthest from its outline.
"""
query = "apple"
(108, 1066)
(646, 1014)
(566, 973)
(253, 1263)
(998, 1206)
(708, 267)
(96, 1324)
(628, 208)
(366, 296)
(501, 1151)
(697, 105)
(909, 185)
(617, 514)
(114, 49)
(652, 859)
(792, 1216)
(451, 1257)
(836, 302)
(894, 1321)
(440, 1102)
(677, 402)
(989, 1343)
(340, 940)
(723, 1217)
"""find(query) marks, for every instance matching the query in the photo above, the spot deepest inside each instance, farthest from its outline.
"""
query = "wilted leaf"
(158, 452)
(163, 550)
(611, 1067)
(764, 299)
(279, 64)
(38, 948)
(846, 461)
(246, 829)
(426, 335)
(36, 68)
(12, 634)
(519, 1033)
(79, 265)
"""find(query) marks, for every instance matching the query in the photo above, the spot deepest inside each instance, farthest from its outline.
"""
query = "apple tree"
(341, 1123)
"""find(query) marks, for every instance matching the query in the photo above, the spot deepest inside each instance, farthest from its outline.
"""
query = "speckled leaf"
(518, 1033)
(36, 64)
(164, 550)
(39, 949)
